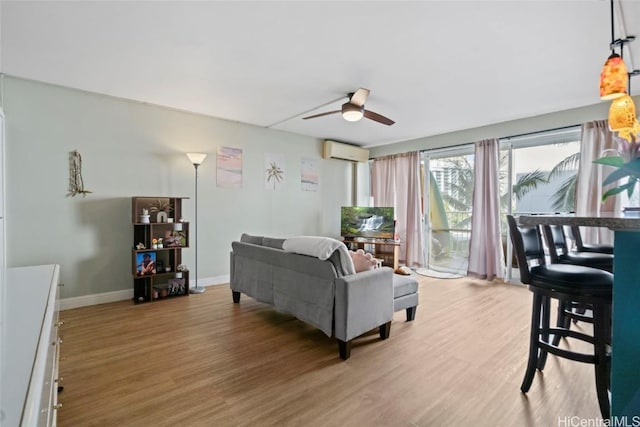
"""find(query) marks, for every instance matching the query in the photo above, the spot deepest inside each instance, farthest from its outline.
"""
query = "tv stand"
(385, 249)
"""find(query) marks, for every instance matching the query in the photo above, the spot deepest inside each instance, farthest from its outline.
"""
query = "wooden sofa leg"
(345, 349)
(411, 313)
(236, 297)
(385, 330)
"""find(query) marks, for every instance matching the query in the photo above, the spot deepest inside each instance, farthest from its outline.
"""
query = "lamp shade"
(613, 78)
(351, 112)
(622, 115)
(631, 133)
(196, 158)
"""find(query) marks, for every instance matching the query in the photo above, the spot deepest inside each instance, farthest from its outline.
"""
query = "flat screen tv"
(368, 222)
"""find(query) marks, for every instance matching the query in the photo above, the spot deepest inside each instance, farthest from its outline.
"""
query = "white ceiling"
(432, 66)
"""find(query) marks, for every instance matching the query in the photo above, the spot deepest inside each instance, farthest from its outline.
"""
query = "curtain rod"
(520, 135)
(540, 131)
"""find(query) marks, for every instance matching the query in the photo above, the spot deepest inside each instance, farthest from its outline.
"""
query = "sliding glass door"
(537, 175)
(448, 191)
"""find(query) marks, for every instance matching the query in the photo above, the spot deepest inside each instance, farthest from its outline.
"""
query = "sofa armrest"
(363, 302)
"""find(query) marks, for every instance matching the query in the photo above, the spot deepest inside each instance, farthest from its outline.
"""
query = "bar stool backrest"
(527, 244)
(556, 241)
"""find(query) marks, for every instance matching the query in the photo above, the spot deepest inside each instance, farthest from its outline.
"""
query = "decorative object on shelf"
(144, 217)
(181, 268)
(197, 159)
(176, 286)
(154, 243)
(170, 220)
(141, 246)
(146, 263)
(160, 243)
(177, 226)
(76, 183)
(162, 207)
(174, 238)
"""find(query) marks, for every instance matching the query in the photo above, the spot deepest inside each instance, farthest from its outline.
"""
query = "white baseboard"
(127, 294)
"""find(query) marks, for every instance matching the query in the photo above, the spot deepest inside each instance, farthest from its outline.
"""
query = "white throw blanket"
(321, 248)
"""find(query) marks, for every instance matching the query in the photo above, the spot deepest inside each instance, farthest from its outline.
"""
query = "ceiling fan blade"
(359, 97)
(378, 118)
(321, 114)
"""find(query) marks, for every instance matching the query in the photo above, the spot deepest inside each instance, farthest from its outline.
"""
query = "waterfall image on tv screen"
(374, 223)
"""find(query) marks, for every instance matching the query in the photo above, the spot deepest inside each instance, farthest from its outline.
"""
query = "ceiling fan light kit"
(352, 113)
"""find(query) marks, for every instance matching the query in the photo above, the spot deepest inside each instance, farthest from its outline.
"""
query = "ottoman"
(405, 295)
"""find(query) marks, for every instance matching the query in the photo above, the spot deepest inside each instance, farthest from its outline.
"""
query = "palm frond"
(528, 182)
(568, 164)
(564, 200)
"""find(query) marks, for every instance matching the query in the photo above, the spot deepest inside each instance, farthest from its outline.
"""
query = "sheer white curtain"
(395, 181)
(596, 137)
(486, 260)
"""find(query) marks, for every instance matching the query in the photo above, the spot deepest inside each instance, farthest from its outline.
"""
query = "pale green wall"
(133, 149)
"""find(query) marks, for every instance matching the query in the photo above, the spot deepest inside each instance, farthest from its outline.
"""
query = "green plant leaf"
(632, 168)
(631, 185)
(615, 175)
(615, 161)
(616, 190)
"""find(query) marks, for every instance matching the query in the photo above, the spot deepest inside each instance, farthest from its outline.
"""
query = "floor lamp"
(196, 159)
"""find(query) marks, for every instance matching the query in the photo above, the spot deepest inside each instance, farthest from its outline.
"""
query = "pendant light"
(622, 114)
(613, 77)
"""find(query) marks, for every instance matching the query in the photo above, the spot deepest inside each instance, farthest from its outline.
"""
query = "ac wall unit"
(339, 150)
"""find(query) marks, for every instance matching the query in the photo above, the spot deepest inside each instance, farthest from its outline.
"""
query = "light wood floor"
(203, 361)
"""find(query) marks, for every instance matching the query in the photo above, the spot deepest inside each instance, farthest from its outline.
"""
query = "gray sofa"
(315, 291)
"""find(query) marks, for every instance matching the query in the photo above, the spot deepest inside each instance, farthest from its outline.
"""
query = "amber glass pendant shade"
(613, 78)
(632, 133)
(622, 115)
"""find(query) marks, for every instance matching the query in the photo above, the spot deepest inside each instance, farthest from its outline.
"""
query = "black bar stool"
(588, 247)
(559, 251)
(565, 283)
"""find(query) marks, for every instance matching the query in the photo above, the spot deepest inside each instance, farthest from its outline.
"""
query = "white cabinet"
(31, 346)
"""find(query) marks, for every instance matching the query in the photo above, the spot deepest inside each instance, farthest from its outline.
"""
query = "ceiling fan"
(353, 110)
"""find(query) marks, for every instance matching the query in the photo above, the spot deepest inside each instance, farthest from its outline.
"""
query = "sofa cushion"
(272, 242)
(321, 248)
(248, 238)
(404, 285)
